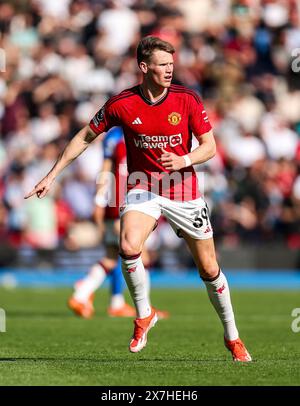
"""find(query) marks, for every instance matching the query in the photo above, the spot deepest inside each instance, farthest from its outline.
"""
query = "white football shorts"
(192, 216)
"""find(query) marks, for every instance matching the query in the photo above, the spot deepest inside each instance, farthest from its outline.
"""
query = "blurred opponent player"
(158, 120)
(110, 193)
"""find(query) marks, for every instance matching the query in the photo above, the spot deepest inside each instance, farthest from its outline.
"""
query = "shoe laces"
(138, 329)
(239, 348)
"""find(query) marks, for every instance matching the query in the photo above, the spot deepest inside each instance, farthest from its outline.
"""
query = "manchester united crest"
(174, 118)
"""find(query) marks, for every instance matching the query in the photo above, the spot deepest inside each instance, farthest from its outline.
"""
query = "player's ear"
(143, 67)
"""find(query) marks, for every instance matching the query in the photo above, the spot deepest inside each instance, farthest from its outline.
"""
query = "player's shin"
(148, 283)
(135, 276)
(219, 295)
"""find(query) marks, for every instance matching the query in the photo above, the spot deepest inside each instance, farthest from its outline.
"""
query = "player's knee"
(209, 269)
(129, 247)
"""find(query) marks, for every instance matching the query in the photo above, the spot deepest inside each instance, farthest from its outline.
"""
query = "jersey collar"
(148, 101)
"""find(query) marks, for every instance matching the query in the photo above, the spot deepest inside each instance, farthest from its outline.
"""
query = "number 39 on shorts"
(200, 217)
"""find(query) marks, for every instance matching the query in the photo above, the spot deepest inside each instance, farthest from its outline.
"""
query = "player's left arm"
(200, 126)
(205, 151)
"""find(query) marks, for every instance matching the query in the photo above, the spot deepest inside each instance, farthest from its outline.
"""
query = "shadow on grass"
(110, 361)
(34, 314)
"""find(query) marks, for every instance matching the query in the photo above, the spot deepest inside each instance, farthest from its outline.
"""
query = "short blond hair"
(150, 44)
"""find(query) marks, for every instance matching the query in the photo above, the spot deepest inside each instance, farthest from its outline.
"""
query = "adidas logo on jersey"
(137, 121)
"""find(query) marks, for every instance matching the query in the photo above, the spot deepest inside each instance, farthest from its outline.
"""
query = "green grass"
(46, 345)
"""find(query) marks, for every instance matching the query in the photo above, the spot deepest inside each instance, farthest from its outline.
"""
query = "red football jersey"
(148, 127)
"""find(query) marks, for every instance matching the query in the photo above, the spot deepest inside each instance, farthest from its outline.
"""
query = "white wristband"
(187, 160)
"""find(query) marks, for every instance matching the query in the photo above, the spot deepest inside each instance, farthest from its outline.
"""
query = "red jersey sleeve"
(198, 120)
(103, 120)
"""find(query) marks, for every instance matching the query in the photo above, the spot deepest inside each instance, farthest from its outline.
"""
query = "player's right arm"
(73, 149)
(102, 121)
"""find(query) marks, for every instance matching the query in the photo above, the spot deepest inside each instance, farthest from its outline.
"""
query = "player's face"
(160, 68)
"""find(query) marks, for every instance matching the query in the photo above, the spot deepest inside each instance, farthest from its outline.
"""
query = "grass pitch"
(45, 344)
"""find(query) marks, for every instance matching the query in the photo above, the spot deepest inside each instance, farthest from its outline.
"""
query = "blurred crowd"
(65, 58)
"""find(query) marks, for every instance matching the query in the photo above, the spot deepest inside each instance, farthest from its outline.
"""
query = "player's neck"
(153, 93)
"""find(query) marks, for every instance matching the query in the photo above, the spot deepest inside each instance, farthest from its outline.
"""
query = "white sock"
(90, 283)
(148, 283)
(219, 294)
(134, 274)
(117, 300)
